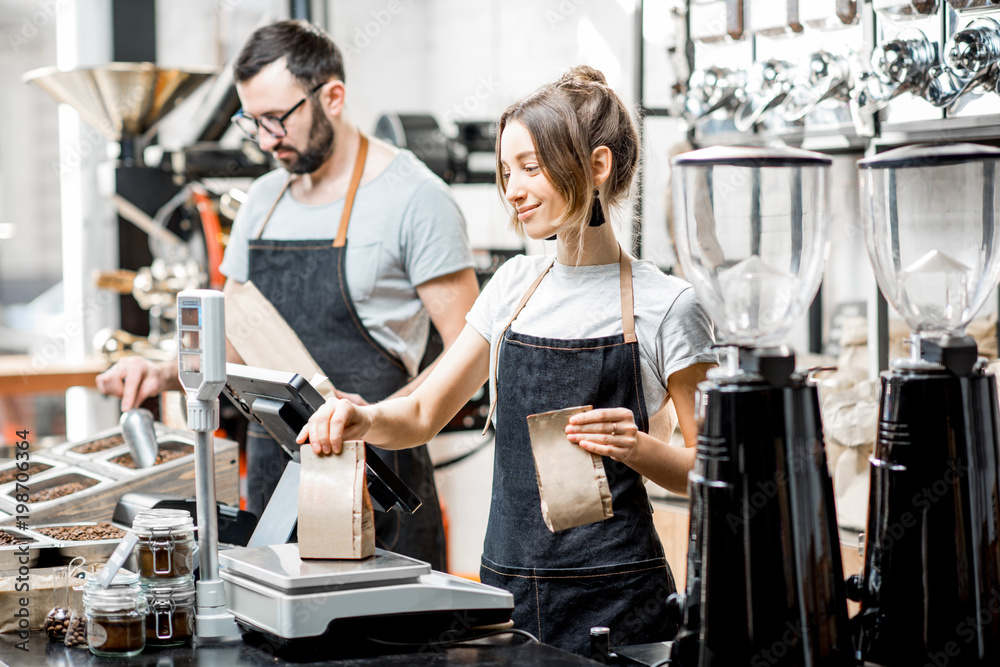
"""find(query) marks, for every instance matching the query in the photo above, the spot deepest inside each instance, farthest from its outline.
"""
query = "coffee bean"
(10, 474)
(125, 460)
(12, 538)
(99, 445)
(99, 531)
(60, 490)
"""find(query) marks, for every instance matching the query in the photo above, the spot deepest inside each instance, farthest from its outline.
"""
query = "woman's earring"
(596, 211)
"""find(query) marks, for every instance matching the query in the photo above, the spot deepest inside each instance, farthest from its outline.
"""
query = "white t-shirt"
(579, 302)
(405, 229)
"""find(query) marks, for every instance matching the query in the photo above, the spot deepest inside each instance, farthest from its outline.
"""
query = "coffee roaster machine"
(174, 206)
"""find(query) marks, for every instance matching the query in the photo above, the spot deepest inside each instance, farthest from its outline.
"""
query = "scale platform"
(269, 589)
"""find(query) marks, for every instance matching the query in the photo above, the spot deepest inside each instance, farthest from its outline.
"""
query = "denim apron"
(306, 282)
(611, 573)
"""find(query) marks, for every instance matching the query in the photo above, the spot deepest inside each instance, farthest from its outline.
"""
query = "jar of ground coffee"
(169, 611)
(116, 616)
(166, 547)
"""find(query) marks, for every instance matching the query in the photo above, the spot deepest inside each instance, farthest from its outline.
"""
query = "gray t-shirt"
(405, 229)
(575, 302)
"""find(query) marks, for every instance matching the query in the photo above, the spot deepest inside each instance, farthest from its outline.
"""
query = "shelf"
(21, 374)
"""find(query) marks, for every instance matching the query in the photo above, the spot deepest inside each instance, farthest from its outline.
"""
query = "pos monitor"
(282, 403)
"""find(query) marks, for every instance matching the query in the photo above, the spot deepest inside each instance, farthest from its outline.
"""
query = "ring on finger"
(614, 428)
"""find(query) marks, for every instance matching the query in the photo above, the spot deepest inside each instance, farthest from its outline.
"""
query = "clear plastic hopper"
(751, 235)
(929, 214)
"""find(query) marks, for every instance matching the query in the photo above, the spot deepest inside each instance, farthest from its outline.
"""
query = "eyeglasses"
(275, 125)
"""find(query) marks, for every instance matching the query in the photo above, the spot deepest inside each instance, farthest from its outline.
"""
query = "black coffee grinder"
(930, 592)
(765, 582)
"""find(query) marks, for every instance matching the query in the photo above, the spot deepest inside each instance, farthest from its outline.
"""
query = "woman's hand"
(337, 420)
(607, 432)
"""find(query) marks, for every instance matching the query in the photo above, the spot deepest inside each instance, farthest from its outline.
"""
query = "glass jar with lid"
(116, 616)
(170, 613)
(166, 546)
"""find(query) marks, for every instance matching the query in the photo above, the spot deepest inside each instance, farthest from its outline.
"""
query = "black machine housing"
(930, 592)
(765, 581)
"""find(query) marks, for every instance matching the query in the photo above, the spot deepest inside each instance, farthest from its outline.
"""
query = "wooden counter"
(20, 374)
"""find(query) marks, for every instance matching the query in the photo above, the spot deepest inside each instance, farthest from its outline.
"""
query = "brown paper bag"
(571, 481)
(335, 510)
(260, 335)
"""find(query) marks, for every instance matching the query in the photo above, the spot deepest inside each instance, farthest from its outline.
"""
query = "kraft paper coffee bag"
(335, 510)
(572, 482)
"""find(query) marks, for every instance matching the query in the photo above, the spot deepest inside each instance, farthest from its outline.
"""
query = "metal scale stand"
(201, 363)
(265, 586)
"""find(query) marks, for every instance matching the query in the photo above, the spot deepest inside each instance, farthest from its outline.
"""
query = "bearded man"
(357, 245)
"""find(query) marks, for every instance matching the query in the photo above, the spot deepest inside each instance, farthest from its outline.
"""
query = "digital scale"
(265, 586)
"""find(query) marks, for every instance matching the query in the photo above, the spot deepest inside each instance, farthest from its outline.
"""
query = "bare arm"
(613, 433)
(447, 300)
(410, 420)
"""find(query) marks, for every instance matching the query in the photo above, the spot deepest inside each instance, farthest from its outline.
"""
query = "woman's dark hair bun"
(584, 74)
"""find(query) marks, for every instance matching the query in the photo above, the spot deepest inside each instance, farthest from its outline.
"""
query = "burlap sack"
(335, 510)
(849, 401)
(42, 589)
(572, 482)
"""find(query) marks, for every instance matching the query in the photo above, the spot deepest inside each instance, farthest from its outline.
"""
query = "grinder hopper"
(764, 577)
(123, 101)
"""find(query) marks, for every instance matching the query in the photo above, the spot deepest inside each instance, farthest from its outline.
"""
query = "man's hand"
(133, 379)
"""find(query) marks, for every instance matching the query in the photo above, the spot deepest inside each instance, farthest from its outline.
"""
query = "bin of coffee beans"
(99, 445)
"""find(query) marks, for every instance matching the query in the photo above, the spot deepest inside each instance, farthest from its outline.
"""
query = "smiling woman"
(588, 327)
(571, 128)
(539, 207)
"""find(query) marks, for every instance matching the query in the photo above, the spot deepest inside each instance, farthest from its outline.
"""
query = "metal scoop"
(138, 433)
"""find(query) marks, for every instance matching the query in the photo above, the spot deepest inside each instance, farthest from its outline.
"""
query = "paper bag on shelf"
(260, 335)
(571, 481)
(335, 510)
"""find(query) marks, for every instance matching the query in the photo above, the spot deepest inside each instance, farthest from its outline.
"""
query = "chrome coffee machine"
(930, 591)
(764, 576)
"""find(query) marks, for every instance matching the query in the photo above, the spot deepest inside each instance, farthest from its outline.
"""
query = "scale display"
(201, 343)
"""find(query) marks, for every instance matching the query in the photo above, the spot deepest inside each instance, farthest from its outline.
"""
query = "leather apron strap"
(352, 190)
(627, 310)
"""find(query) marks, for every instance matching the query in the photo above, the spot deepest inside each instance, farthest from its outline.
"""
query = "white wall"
(469, 60)
(30, 248)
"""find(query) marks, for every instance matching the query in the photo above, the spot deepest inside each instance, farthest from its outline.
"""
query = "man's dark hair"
(312, 57)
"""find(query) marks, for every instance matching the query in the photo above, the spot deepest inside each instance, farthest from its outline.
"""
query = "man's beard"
(318, 149)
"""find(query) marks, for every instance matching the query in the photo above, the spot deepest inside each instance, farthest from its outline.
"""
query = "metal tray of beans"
(51, 486)
(170, 450)
(12, 542)
(98, 443)
(110, 443)
(12, 470)
(94, 540)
